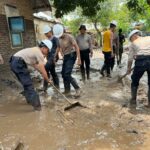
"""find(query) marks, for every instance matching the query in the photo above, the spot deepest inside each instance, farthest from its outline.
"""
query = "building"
(39, 23)
(17, 27)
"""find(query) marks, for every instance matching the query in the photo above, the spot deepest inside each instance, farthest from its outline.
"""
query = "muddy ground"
(107, 124)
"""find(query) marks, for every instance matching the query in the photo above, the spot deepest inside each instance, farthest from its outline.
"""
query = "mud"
(107, 123)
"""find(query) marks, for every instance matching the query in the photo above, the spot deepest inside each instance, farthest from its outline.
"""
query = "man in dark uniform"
(121, 41)
(51, 58)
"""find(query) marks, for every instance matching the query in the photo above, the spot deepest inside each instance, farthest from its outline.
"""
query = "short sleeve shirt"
(31, 56)
(140, 46)
(107, 41)
(84, 41)
(67, 43)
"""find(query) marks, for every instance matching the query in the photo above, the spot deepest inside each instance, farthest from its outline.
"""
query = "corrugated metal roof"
(40, 5)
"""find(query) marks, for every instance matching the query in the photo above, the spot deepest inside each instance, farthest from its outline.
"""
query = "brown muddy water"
(107, 124)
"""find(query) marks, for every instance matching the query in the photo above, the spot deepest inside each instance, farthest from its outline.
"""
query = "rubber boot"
(67, 88)
(45, 86)
(28, 100)
(148, 94)
(133, 95)
(36, 102)
(56, 81)
(88, 75)
(83, 75)
(74, 83)
(102, 70)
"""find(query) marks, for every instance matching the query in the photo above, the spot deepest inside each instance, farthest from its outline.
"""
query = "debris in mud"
(11, 142)
(101, 134)
(2, 115)
(20, 146)
(132, 131)
(10, 83)
(1, 146)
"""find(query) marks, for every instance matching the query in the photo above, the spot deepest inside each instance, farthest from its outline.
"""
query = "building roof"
(41, 5)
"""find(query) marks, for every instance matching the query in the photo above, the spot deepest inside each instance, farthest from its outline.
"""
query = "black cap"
(82, 27)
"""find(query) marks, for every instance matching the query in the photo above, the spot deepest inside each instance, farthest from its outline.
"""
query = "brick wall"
(5, 43)
(24, 7)
(29, 40)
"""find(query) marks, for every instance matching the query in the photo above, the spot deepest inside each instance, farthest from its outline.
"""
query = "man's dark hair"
(112, 25)
(42, 45)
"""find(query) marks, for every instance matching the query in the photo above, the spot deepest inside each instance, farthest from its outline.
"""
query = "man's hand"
(49, 81)
(56, 58)
(129, 67)
(128, 71)
(79, 62)
(91, 53)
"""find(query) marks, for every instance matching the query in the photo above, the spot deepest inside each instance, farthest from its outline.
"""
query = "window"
(16, 24)
(16, 39)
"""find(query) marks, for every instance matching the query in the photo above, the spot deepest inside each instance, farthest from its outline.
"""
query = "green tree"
(89, 8)
(140, 9)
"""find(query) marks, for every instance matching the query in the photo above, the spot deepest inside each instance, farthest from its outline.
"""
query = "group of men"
(139, 51)
(57, 41)
(80, 50)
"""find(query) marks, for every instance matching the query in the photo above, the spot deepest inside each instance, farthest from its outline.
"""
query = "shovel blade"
(73, 105)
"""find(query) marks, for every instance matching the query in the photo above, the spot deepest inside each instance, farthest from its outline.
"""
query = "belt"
(142, 57)
(84, 49)
(70, 53)
(16, 58)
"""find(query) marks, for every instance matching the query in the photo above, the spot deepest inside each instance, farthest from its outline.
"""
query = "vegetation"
(101, 12)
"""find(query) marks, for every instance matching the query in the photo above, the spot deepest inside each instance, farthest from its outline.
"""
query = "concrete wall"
(39, 25)
(23, 9)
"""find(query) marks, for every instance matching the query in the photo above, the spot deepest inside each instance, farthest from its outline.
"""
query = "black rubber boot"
(28, 100)
(45, 86)
(148, 95)
(36, 102)
(102, 70)
(88, 75)
(133, 95)
(83, 75)
(56, 81)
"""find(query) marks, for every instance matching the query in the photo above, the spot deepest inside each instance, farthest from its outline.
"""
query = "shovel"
(118, 79)
(123, 76)
(72, 104)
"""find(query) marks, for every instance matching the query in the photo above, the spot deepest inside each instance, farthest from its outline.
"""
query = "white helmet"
(58, 30)
(46, 29)
(133, 32)
(114, 22)
(47, 43)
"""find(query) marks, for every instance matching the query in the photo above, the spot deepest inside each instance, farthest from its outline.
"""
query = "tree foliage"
(140, 9)
(89, 8)
(138, 6)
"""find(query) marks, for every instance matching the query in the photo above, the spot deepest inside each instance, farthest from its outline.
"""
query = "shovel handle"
(126, 74)
(61, 93)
